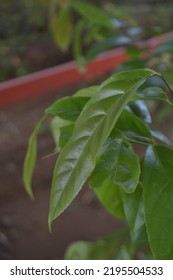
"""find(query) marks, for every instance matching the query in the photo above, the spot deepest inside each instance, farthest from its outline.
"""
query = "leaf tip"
(31, 195)
(50, 224)
(28, 189)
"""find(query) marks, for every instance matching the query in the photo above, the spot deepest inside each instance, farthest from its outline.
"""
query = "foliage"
(100, 27)
(18, 17)
(96, 130)
(83, 28)
(103, 27)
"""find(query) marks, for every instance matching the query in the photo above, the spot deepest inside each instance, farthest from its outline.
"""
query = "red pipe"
(57, 77)
(61, 75)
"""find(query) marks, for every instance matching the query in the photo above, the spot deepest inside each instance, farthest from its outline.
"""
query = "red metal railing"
(67, 73)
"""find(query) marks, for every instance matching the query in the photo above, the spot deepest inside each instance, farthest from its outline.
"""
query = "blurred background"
(40, 34)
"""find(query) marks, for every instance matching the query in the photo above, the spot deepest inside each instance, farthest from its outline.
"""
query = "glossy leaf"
(134, 209)
(30, 158)
(65, 134)
(158, 200)
(153, 93)
(134, 127)
(108, 192)
(117, 165)
(140, 109)
(161, 137)
(117, 169)
(78, 158)
(68, 108)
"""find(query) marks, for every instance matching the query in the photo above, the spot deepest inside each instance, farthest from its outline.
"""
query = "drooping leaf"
(68, 108)
(134, 209)
(77, 44)
(61, 25)
(78, 158)
(30, 158)
(158, 200)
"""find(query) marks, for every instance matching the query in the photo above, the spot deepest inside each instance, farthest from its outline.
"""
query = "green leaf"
(134, 127)
(78, 158)
(108, 192)
(153, 93)
(140, 109)
(56, 124)
(62, 26)
(132, 64)
(79, 250)
(161, 137)
(77, 45)
(134, 209)
(68, 108)
(87, 92)
(158, 200)
(117, 165)
(110, 195)
(108, 248)
(92, 13)
(30, 158)
(65, 134)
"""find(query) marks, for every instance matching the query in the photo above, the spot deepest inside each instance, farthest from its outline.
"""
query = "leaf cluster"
(96, 131)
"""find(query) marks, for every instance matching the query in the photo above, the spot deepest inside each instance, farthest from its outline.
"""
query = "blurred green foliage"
(19, 17)
(82, 29)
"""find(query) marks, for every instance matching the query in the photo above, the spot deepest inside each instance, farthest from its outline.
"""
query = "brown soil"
(23, 223)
